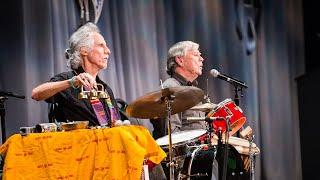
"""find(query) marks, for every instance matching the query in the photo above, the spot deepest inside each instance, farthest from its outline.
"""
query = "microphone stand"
(222, 170)
(210, 129)
(237, 100)
(251, 154)
(226, 148)
(3, 98)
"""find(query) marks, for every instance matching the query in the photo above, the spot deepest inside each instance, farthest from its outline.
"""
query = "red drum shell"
(223, 109)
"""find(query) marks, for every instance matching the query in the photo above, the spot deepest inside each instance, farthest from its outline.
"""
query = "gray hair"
(82, 37)
(178, 50)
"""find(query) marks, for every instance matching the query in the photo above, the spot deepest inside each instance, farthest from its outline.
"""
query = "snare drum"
(180, 140)
(224, 109)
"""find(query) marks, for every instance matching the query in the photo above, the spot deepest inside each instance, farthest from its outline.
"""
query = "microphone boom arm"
(227, 78)
(233, 81)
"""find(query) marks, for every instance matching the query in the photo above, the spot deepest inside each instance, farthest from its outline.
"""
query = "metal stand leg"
(168, 98)
(3, 97)
(251, 158)
(171, 163)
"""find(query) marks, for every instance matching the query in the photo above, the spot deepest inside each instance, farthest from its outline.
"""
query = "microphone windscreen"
(214, 72)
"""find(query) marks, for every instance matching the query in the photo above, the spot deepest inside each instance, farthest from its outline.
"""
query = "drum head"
(180, 137)
(241, 145)
(221, 104)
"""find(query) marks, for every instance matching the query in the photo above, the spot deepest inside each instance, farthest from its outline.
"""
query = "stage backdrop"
(139, 32)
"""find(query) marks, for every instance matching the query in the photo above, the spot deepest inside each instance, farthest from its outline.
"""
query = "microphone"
(227, 78)
(205, 118)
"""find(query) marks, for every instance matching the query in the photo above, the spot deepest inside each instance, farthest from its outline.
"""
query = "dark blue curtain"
(139, 33)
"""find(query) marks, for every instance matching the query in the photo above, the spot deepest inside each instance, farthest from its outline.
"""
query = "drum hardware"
(247, 134)
(210, 131)
(210, 128)
(237, 99)
(93, 94)
(187, 174)
(168, 98)
(209, 121)
(251, 158)
(207, 97)
(223, 174)
(197, 175)
(164, 103)
(208, 105)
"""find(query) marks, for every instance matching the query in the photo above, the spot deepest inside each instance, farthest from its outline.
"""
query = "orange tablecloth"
(114, 153)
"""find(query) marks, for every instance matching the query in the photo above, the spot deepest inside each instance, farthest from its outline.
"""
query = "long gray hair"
(178, 50)
(82, 37)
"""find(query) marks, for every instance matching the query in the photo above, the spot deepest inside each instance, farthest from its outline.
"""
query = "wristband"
(71, 82)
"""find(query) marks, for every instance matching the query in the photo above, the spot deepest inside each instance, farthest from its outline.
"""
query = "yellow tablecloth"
(114, 153)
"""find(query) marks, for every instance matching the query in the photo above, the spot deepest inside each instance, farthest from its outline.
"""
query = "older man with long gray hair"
(87, 55)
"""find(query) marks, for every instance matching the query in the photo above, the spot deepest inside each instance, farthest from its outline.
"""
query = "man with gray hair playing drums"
(184, 65)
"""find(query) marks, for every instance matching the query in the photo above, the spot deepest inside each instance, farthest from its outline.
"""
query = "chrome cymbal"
(153, 105)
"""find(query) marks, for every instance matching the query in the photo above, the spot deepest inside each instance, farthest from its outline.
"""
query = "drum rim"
(221, 104)
(182, 142)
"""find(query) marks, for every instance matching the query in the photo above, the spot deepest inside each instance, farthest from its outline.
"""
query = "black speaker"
(309, 100)
(311, 13)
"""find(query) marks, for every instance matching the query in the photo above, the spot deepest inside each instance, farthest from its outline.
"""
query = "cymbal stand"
(168, 98)
(207, 97)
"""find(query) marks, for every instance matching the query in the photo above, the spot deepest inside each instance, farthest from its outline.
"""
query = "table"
(110, 153)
